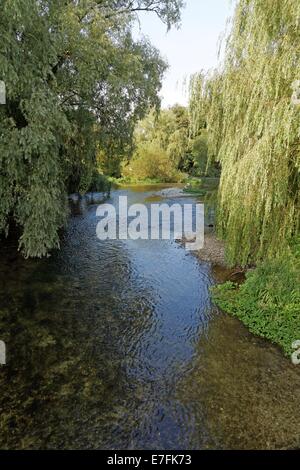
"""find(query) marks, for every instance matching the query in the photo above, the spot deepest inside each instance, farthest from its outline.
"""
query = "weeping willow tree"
(76, 79)
(253, 121)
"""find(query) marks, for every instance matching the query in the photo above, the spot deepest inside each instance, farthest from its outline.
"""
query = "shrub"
(151, 162)
(268, 303)
(100, 183)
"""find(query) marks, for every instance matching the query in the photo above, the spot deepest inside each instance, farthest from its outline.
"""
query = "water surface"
(115, 345)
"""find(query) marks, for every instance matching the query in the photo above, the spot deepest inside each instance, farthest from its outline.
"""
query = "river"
(116, 345)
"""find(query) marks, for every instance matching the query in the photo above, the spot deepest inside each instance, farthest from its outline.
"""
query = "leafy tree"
(253, 129)
(75, 80)
(166, 132)
(151, 162)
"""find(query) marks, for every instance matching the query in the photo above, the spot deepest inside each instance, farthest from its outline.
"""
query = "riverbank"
(125, 182)
(268, 302)
(266, 299)
(214, 251)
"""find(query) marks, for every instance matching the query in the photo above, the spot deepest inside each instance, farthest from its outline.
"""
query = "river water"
(116, 345)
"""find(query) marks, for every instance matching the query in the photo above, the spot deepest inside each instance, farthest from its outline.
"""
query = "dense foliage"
(269, 301)
(160, 146)
(253, 129)
(165, 149)
(76, 81)
(250, 110)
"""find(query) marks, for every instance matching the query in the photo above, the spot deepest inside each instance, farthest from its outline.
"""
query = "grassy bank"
(268, 303)
(126, 180)
(195, 186)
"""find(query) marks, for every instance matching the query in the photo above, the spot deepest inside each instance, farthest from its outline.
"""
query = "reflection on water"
(114, 345)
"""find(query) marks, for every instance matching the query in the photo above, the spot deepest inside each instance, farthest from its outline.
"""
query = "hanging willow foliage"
(254, 128)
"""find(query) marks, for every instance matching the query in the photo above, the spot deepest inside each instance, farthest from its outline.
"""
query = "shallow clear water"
(115, 344)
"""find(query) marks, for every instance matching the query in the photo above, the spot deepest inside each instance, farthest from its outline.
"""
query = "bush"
(100, 183)
(268, 303)
(151, 162)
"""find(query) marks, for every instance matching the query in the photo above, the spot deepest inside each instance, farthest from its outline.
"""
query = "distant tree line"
(166, 150)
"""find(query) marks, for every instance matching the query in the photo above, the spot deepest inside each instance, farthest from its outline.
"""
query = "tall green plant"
(76, 79)
(254, 128)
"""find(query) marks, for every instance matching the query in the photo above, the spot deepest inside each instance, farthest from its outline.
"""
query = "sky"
(190, 49)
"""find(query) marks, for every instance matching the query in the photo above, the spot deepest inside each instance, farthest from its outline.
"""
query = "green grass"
(132, 181)
(268, 303)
